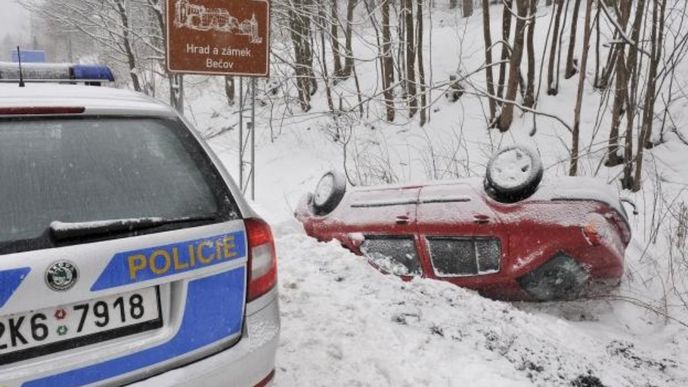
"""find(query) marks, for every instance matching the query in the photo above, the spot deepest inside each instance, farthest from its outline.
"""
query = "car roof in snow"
(96, 100)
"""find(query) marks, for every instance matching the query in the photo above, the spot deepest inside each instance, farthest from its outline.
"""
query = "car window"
(96, 168)
(396, 255)
(464, 256)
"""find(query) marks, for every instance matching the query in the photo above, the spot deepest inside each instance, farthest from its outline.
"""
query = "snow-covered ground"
(346, 324)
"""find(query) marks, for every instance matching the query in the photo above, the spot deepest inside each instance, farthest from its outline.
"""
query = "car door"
(381, 224)
(455, 209)
(461, 235)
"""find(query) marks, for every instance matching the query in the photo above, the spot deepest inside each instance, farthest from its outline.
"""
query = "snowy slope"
(346, 324)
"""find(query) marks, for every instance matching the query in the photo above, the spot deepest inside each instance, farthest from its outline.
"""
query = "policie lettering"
(162, 261)
(147, 264)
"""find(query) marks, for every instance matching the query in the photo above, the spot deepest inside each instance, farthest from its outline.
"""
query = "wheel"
(329, 192)
(513, 174)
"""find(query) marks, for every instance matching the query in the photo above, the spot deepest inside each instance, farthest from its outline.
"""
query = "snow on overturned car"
(510, 235)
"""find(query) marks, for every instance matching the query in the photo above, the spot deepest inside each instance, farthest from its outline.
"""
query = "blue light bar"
(56, 73)
(93, 72)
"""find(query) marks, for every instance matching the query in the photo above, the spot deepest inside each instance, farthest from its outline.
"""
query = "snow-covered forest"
(411, 90)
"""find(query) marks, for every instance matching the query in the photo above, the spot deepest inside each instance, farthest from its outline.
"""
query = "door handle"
(402, 219)
(481, 219)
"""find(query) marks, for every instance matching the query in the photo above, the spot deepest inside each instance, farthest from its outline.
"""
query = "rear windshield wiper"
(66, 230)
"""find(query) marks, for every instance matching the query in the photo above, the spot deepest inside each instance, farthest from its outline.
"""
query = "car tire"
(328, 192)
(513, 174)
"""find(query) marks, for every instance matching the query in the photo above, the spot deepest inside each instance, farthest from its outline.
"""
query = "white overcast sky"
(14, 20)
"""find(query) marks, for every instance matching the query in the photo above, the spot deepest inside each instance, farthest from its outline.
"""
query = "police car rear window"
(99, 168)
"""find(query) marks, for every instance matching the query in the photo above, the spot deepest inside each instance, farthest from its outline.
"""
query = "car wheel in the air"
(329, 192)
(513, 174)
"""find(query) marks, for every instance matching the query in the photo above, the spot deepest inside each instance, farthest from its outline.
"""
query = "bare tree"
(529, 95)
(91, 18)
(410, 57)
(573, 170)
(506, 32)
(467, 8)
(633, 70)
(421, 65)
(300, 30)
(620, 90)
(334, 36)
(487, 35)
(507, 115)
(553, 71)
(657, 41)
(387, 62)
(570, 60)
(349, 59)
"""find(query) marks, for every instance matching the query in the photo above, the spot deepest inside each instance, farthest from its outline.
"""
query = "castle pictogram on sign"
(200, 18)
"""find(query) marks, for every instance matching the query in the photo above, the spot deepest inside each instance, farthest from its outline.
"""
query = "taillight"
(595, 228)
(591, 234)
(262, 259)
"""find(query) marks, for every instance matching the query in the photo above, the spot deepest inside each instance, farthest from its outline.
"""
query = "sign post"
(228, 38)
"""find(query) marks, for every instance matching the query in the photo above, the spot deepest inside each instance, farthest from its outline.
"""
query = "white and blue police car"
(127, 253)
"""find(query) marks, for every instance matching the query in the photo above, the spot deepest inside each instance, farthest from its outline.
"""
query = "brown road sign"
(219, 37)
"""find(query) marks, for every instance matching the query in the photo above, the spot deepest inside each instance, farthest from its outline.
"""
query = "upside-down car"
(510, 235)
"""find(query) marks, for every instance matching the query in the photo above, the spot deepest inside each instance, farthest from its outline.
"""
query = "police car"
(127, 253)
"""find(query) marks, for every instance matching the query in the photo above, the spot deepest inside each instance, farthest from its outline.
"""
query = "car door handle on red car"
(481, 219)
(402, 219)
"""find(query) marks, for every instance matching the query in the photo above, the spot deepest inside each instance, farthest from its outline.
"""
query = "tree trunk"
(597, 84)
(323, 61)
(300, 30)
(410, 58)
(570, 60)
(488, 58)
(176, 82)
(552, 87)
(634, 72)
(387, 62)
(650, 97)
(126, 44)
(507, 115)
(421, 65)
(349, 52)
(334, 37)
(506, 33)
(467, 8)
(620, 95)
(529, 96)
(230, 90)
(618, 54)
(573, 171)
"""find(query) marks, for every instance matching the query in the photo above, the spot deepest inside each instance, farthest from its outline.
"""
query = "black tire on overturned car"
(513, 174)
(328, 193)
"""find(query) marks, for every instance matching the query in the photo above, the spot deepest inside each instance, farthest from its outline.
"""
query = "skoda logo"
(61, 276)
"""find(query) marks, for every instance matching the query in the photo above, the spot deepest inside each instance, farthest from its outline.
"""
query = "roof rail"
(56, 73)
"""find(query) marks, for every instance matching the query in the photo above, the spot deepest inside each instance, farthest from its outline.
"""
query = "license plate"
(38, 333)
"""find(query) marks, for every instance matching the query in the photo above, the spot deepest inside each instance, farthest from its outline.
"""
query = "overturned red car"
(510, 236)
